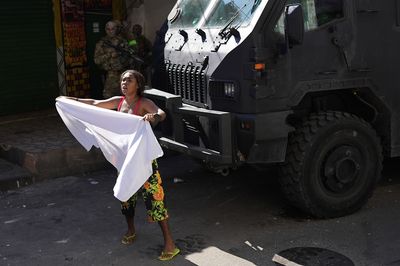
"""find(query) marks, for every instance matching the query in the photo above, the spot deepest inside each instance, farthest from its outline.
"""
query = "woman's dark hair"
(139, 80)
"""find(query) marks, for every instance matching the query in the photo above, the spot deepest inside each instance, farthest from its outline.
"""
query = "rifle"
(125, 52)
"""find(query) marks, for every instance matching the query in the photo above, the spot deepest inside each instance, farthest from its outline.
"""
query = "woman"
(133, 102)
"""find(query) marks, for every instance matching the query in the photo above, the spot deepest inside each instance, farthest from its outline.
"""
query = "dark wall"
(28, 72)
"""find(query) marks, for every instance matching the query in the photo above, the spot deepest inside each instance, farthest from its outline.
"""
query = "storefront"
(47, 46)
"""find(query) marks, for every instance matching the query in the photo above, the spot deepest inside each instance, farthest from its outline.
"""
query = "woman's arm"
(154, 114)
(110, 103)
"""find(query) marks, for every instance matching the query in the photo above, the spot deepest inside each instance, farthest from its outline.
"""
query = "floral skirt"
(153, 196)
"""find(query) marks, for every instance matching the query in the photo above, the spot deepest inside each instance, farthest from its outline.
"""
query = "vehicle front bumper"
(172, 129)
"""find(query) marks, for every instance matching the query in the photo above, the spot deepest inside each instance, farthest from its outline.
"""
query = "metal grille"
(217, 89)
(188, 81)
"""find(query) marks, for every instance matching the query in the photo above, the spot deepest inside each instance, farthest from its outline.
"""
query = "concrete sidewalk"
(37, 146)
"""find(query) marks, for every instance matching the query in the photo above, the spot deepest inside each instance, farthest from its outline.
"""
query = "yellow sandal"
(126, 240)
(169, 255)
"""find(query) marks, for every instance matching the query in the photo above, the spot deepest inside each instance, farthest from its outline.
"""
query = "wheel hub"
(342, 168)
(346, 170)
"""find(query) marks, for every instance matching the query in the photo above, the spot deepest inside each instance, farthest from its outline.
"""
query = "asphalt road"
(241, 219)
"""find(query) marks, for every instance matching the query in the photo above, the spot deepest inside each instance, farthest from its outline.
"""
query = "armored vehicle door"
(324, 53)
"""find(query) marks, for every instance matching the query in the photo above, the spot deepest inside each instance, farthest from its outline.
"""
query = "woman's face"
(129, 84)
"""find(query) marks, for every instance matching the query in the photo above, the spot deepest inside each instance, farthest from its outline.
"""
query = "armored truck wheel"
(333, 163)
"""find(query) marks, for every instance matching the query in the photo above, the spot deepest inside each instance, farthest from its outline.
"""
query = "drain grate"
(310, 256)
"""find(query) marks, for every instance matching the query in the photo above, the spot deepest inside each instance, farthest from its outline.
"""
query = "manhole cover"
(310, 256)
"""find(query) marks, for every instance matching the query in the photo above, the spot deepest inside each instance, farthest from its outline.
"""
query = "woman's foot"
(128, 238)
(169, 255)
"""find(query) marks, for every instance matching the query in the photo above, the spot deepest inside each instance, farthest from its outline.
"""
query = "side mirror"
(294, 24)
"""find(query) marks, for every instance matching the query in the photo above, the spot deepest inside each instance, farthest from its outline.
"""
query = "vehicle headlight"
(229, 90)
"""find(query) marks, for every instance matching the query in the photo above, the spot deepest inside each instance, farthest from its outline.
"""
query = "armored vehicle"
(308, 85)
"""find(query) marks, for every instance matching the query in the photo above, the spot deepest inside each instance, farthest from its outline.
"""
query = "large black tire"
(333, 164)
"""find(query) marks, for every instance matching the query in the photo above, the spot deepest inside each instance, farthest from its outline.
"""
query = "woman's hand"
(152, 118)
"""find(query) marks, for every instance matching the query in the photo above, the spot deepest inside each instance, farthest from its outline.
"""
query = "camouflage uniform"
(112, 61)
(142, 47)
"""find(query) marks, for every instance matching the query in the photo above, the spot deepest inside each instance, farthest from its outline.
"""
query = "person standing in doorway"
(141, 47)
(109, 56)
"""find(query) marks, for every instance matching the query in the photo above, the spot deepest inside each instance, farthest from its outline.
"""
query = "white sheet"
(127, 141)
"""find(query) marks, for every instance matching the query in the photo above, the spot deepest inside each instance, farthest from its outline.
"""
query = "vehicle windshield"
(232, 11)
(213, 13)
(191, 12)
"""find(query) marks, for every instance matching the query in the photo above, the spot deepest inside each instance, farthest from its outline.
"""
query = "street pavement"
(241, 219)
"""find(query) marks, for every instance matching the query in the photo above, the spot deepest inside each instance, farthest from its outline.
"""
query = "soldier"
(141, 47)
(109, 56)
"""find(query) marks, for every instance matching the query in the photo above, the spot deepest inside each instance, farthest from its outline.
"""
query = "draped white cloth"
(126, 140)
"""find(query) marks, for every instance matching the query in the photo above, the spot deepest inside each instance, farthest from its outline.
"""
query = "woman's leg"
(131, 225)
(128, 210)
(153, 196)
(169, 244)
